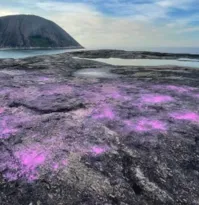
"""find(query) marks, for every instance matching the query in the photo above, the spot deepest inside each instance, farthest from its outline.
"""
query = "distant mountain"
(29, 31)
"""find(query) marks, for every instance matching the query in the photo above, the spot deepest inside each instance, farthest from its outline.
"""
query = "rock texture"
(29, 31)
(91, 141)
(132, 54)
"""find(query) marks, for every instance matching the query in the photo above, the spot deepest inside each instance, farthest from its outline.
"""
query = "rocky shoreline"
(132, 54)
(72, 140)
(41, 48)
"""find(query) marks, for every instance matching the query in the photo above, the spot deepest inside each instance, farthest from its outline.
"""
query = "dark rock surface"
(68, 140)
(29, 31)
(131, 54)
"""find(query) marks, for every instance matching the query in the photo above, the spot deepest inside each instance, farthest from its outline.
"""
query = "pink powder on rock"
(145, 125)
(5, 131)
(105, 112)
(97, 150)
(189, 116)
(196, 95)
(156, 99)
(1, 110)
(65, 162)
(177, 88)
(56, 166)
(30, 160)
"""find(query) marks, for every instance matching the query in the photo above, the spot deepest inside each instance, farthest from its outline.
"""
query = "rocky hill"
(29, 31)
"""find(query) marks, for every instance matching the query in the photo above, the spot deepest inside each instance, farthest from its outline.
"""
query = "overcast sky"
(118, 23)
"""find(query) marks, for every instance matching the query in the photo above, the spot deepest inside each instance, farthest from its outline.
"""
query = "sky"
(118, 23)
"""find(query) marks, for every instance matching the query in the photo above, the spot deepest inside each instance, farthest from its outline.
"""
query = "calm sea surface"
(116, 61)
(149, 62)
(29, 53)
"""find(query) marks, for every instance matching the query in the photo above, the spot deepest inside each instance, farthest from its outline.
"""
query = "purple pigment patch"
(44, 78)
(59, 165)
(118, 96)
(30, 160)
(98, 150)
(105, 112)
(10, 176)
(64, 162)
(196, 95)
(177, 88)
(55, 166)
(146, 125)
(1, 110)
(189, 116)
(115, 95)
(6, 131)
(156, 99)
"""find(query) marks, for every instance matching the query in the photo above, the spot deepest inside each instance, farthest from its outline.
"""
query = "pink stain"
(113, 92)
(61, 164)
(177, 88)
(115, 95)
(106, 112)
(5, 131)
(108, 89)
(44, 79)
(65, 162)
(189, 116)
(10, 176)
(145, 125)
(1, 110)
(128, 123)
(30, 160)
(156, 99)
(118, 96)
(196, 95)
(56, 166)
(98, 150)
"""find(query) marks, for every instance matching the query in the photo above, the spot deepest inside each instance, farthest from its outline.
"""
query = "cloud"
(6, 12)
(116, 23)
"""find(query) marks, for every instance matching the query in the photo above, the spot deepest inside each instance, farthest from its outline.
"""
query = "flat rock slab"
(67, 139)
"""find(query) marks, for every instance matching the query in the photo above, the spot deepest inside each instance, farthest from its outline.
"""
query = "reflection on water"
(95, 73)
(149, 62)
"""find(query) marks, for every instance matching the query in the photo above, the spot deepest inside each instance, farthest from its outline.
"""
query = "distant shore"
(40, 48)
(108, 53)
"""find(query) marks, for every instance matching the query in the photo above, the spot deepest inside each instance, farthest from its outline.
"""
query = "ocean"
(29, 53)
(16, 54)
